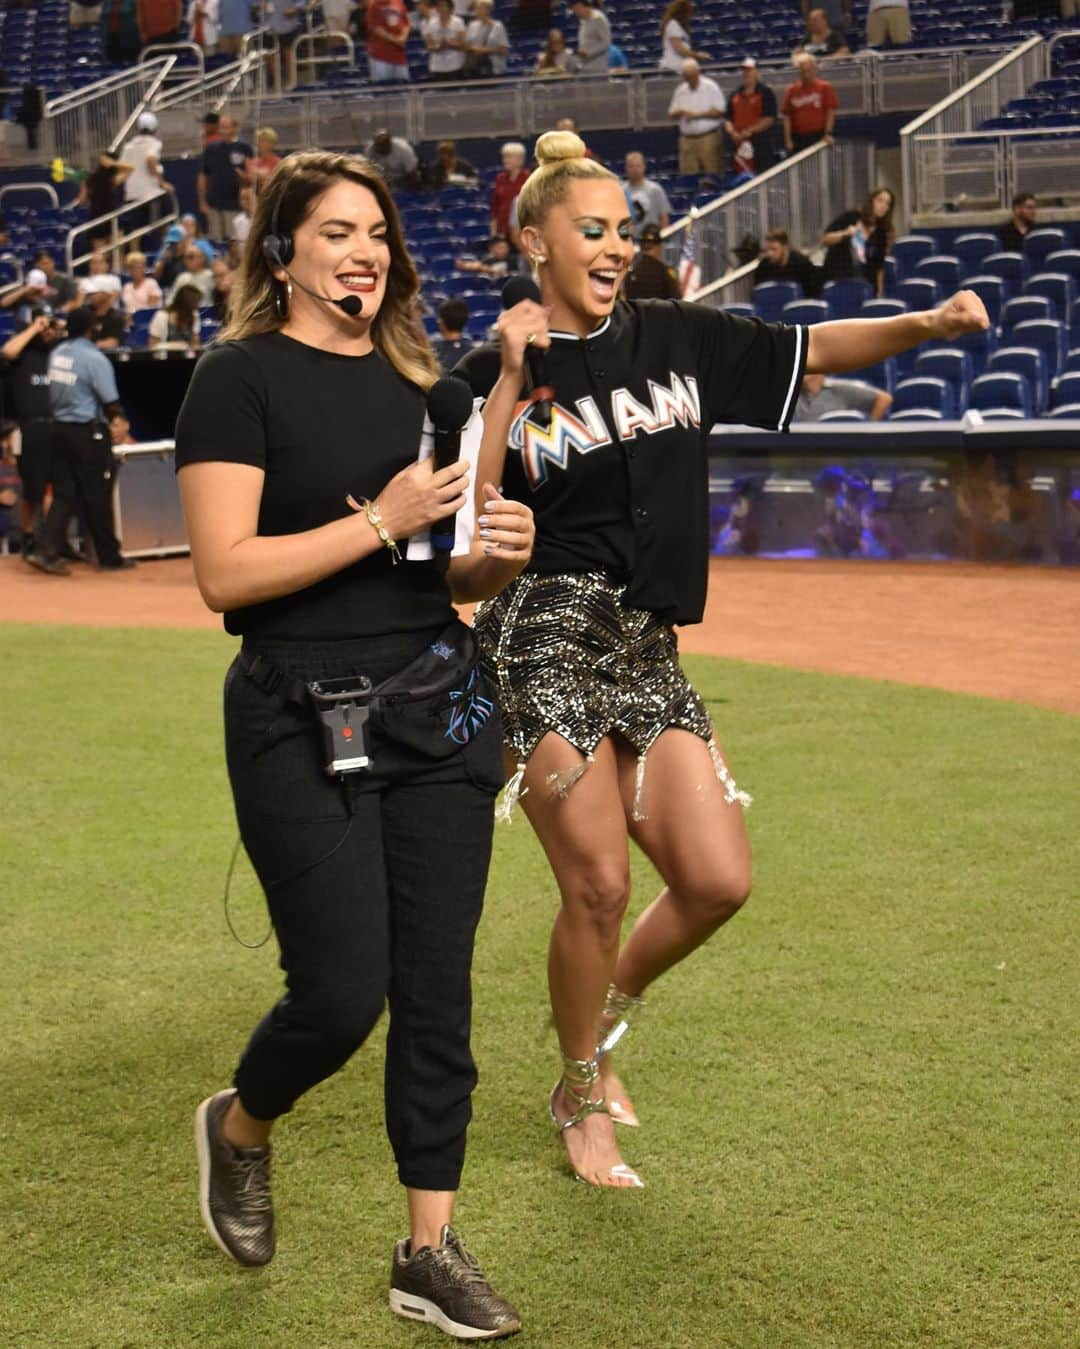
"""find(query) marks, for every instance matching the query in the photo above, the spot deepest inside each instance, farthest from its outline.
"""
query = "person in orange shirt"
(387, 25)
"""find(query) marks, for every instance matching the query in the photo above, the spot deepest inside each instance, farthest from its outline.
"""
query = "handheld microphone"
(449, 405)
(353, 305)
(515, 290)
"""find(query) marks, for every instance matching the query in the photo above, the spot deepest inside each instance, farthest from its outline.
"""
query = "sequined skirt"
(568, 655)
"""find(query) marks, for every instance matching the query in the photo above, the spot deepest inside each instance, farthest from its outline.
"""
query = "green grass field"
(860, 1101)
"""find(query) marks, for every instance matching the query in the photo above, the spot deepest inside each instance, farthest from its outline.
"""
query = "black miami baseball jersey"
(619, 481)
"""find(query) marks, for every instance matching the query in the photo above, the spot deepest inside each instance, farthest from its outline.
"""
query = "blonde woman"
(297, 451)
(139, 291)
(606, 739)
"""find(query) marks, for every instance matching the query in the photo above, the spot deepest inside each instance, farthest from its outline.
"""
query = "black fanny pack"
(435, 705)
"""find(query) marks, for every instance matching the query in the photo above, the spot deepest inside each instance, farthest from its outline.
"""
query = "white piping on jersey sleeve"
(796, 376)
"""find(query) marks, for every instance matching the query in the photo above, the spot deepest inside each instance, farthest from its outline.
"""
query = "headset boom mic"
(515, 290)
(449, 405)
(352, 305)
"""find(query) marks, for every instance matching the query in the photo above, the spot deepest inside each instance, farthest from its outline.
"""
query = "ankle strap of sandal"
(578, 1080)
(621, 1008)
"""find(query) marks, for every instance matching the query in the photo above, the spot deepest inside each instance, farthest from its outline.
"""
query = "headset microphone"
(277, 249)
(515, 290)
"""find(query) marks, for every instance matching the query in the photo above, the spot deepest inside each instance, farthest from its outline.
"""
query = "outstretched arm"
(852, 344)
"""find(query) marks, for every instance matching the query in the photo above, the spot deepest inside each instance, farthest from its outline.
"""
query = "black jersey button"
(641, 512)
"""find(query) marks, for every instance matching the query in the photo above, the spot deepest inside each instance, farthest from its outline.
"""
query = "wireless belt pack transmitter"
(342, 709)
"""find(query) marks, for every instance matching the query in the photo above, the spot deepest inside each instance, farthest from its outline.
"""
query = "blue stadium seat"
(1030, 364)
(882, 309)
(951, 364)
(944, 268)
(909, 249)
(843, 415)
(972, 248)
(915, 415)
(978, 345)
(881, 376)
(1013, 268)
(1074, 325)
(805, 311)
(1069, 412)
(1024, 307)
(1072, 360)
(745, 311)
(846, 298)
(992, 291)
(1066, 389)
(1058, 287)
(924, 392)
(1006, 390)
(1046, 334)
(1038, 243)
(919, 292)
(771, 296)
(1065, 260)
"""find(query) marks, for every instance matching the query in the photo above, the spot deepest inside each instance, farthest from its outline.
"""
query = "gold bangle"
(375, 520)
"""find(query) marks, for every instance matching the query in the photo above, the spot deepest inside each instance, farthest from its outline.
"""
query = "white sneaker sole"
(421, 1309)
(202, 1149)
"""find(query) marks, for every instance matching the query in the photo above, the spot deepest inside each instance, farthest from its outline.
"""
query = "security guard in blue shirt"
(82, 395)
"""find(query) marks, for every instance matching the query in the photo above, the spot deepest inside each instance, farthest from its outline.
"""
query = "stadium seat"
(1022, 308)
(1066, 389)
(843, 415)
(1003, 390)
(1038, 243)
(1013, 268)
(805, 311)
(846, 298)
(1070, 412)
(881, 376)
(1065, 260)
(745, 311)
(924, 392)
(882, 309)
(1072, 360)
(918, 292)
(915, 415)
(770, 298)
(972, 248)
(944, 268)
(1030, 363)
(978, 345)
(1058, 287)
(992, 291)
(910, 249)
(1046, 334)
(952, 365)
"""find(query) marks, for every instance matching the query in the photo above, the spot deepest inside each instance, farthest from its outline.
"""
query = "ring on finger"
(530, 339)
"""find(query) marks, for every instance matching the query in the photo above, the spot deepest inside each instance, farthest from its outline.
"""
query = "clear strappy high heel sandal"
(578, 1082)
(619, 1010)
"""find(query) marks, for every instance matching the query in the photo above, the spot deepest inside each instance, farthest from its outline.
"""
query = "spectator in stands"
(285, 19)
(25, 358)
(593, 38)
(139, 291)
(698, 105)
(203, 21)
(30, 113)
(97, 191)
(196, 273)
(508, 183)
(838, 12)
(451, 344)
(824, 393)
(158, 21)
(266, 157)
(395, 159)
(495, 262)
(240, 222)
(195, 234)
(1020, 224)
(99, 266)
(780, 262)
(675, 37)
(169, 263)
(449, 168)
(570, 124)
(822, 41)
(649, 277)
(809, 108)
(888, 21)
(211, 125)
(234, 20)
(648, 200)
(486, 43)
(224, 281)
(858, 242)
(554, 58)
(120, 428)
(444, 37)
(108, 327)
(146, 179)
(617, 63)
(44, 285)
(386, 25)
(222, 172)
(751, 122)
(176, 327)
(121, 32)
(10, 485)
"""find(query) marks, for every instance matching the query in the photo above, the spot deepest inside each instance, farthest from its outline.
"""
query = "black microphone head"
(449, 403)
(519, 288)
(352, 305)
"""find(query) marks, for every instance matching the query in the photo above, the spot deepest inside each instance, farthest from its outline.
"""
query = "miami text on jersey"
(540, 450)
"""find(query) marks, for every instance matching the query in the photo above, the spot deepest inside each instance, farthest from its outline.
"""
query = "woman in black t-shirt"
(858, 242)
(603, 731)
(370, 830)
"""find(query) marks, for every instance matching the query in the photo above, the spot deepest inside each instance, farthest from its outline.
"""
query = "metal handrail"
(119, 238)
(147, 98)
(347, 58)
(723, 282)
(778, 170)
(175, 48)
(20, 273)
(271, 47)
(88, 92)
(1059, 36)
(31, 187)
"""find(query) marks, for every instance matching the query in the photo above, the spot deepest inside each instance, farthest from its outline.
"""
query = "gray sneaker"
(234, 1188)
(446, 1287)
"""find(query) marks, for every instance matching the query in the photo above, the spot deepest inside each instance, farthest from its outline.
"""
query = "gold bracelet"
(375, 520)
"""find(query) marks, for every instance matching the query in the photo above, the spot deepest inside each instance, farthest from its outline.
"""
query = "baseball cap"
(748, 63)
(147, 122)
(649, 235)
(174, 234)
(107, 284)
(36, 277)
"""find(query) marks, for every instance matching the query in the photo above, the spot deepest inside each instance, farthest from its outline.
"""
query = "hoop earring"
(283, 299)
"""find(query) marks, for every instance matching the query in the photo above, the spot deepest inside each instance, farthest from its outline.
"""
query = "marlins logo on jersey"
(586, 430)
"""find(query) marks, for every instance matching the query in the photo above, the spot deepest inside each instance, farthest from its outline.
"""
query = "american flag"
(689, 270)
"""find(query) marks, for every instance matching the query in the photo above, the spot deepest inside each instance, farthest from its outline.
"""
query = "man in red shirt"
(809, 108)
(387, 25)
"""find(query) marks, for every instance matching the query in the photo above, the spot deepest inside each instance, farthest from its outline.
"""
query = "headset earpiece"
(277, 248)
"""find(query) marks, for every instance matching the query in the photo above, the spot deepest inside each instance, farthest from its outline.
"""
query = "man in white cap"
(31, 295)
(750, 122)
(146, 179)
(698, 105)
(102, 293)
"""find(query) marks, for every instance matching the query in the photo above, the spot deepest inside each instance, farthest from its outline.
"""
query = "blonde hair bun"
(554, 147)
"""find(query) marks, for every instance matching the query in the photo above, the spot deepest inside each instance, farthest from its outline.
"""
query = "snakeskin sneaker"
(234, 1188)
(446, 1287)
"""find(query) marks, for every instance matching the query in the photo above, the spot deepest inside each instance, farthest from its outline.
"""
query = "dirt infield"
(1003, 632)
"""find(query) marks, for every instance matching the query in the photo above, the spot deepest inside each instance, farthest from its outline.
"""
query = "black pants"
(82, 479)
(375, 888)
(35, 460)
(806, 139)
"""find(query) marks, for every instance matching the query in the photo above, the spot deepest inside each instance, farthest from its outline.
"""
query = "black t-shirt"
(620, 480)
(221, 162)
(109, 325)
(1012, 241)
(321, 426)
(29, 376)
(840, 259)
(797, 268)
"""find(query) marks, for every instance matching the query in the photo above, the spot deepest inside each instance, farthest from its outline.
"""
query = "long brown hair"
(292, 190)
(682, 11)
(870, 220)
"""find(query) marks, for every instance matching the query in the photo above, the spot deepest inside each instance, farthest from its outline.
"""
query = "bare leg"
(585, 838)
(429, 1212)
(243, 1130)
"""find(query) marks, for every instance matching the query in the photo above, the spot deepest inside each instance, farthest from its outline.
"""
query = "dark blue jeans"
(375, 887)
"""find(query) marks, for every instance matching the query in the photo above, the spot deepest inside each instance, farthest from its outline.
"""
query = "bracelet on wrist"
(374, 518)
